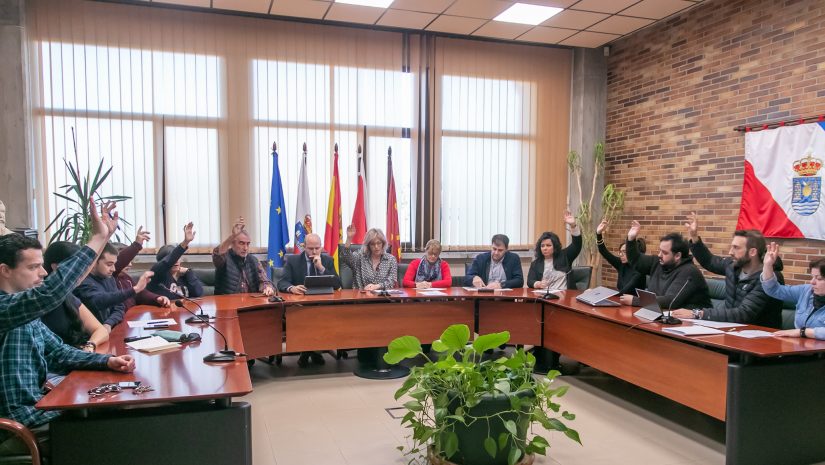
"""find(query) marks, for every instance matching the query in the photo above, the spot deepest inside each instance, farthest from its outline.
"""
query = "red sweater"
(446, 278)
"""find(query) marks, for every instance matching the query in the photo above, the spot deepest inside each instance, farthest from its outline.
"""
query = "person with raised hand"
(673, 277)
(171, 279)
(745, 300)
(124, 281)
(809, 319)
(372, 267)
(629, 279)
(237, 270)
(552, 263)
(28, 349)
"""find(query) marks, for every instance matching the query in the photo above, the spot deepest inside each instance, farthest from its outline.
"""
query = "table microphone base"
(221, 356)
(388, 372)
(199, 319)
(670, 320)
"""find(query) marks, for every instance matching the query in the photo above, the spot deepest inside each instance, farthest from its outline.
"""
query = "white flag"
(303, 215)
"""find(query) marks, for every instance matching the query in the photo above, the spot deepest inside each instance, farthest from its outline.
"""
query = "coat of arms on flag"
(806, 186)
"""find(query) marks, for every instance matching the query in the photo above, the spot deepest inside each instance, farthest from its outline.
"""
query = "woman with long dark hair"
(552, 264)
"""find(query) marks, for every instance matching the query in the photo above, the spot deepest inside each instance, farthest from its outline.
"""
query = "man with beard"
(673, 277)
(745, 301)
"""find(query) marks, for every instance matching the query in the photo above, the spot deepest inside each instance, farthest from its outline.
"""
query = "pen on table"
(156, 322)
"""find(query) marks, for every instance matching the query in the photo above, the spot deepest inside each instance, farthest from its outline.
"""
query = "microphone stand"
(221, 356)
(670, 319)
(549, 295)
(200, 318)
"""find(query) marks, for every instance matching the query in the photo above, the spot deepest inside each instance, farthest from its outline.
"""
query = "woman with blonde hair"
(372, 268)
(429, 270)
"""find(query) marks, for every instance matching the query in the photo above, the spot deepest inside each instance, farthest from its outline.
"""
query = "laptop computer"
(322, 284)
(599, 297)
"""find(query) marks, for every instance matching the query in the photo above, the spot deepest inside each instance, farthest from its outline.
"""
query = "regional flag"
(303, 217)
(278, 229)
(781, 193)
(359, 213)
(393, 231)
(333, 232)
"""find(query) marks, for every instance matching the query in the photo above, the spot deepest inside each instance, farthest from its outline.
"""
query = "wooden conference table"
(766, 390)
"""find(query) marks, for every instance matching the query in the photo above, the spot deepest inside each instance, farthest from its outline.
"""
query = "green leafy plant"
(74, 222)
(447, 396)
(612, 202)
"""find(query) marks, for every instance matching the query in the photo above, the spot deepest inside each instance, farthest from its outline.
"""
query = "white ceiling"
(583, 23)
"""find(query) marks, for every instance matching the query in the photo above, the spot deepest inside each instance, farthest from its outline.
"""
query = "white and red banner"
(782, 191)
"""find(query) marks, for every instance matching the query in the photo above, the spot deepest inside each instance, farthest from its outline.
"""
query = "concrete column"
(588, 114)
(16, 189)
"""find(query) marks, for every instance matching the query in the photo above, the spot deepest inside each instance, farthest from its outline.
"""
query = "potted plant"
(469, 410)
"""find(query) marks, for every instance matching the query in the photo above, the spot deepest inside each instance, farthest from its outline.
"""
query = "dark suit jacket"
(295, 271)
(481, 268)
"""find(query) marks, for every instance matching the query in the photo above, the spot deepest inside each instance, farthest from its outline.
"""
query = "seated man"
(28, 350)
(99, 292)
(236, 270)
(673, 277)
(125, 255)
(496, 269)
(310, 262)
(745, 300)
(172, 280)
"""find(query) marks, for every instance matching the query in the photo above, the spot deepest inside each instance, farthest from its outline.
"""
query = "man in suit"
(308, 263)
(496, 269)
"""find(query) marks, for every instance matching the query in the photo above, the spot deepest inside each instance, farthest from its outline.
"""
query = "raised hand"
(351, 230)
(142, 236)
(104, 223)
(635, 227)
(569, 219)
(239, 226)
(188, 234)
(143, 281)
(692, 225)
(602, 226)
(771, 255)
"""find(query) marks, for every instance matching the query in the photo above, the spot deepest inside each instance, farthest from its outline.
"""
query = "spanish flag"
(333, 233)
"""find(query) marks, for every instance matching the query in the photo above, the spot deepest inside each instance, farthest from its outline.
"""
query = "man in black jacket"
(675, 280)
(310, 262)
(745, 301)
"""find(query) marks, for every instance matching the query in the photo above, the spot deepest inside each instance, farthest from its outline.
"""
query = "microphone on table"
(225, 355)
(549, 295)
(670, 319)
(200, 318)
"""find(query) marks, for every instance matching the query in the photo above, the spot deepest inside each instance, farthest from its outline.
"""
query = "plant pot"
(471, 437)
(432, 459)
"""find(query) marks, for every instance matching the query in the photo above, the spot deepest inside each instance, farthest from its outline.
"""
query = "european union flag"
(278, 229)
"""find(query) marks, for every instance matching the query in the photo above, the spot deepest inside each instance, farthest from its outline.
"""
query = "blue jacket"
(481, 268)
(104, 299)
(803, 294)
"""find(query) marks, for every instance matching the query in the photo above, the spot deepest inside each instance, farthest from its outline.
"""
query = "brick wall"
(676, 91)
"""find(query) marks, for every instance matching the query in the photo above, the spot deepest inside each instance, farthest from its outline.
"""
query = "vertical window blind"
(186, 106)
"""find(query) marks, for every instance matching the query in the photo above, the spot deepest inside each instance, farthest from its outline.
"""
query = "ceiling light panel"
(524, 13)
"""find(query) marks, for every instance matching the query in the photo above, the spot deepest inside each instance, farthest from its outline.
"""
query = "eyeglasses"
(104, 389)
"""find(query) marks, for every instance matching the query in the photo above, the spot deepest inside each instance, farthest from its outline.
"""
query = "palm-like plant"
(74, 222)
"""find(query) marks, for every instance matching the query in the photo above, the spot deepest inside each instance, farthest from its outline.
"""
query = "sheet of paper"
(158, 322)
(542, 291)
(423, 292)
(713, 324)
(469, 289)
(152, 344)
(692, 330)
(751, 333)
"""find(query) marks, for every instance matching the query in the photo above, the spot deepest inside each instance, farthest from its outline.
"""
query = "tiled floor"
(327, 416)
